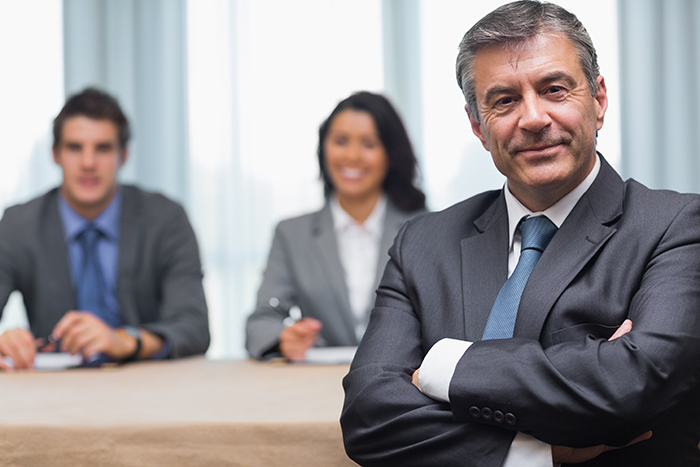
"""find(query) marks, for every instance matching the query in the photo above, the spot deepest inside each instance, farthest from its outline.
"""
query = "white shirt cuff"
(439, 366)
(527, 451)
(435, 375)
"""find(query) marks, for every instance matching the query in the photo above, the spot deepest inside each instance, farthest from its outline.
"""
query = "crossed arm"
(564, 454)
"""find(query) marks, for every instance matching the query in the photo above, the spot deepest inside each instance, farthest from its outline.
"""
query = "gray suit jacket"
(624, 252)
(304, 269)
(159, 278)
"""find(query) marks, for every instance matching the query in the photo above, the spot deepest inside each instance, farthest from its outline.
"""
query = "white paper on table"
(330, 355)
(51, 361)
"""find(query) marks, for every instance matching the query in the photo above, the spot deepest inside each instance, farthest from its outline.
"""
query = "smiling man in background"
(108, 271)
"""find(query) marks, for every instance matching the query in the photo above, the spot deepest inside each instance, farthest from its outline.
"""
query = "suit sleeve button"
(486, 413)
(510, 419)
(474, 411)
(498, 416)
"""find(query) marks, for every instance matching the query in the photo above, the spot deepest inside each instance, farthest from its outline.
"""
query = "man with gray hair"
(558, 311)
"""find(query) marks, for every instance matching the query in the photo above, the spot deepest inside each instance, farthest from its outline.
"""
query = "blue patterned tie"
(536, 234)
(90, 289)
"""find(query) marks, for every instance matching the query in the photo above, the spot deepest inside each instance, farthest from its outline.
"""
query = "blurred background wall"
(225, 99)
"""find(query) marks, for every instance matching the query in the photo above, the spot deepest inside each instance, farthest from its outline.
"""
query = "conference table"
(184, 412)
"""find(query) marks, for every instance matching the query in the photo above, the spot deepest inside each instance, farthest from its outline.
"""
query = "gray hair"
(515, 23)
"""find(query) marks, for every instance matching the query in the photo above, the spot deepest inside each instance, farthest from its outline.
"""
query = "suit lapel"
(482, 276)
(130, 230)
(581, 236)
(325, 250)
(56, 256)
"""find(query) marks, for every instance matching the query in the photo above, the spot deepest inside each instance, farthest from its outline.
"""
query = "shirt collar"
(107, 221)
(343, 221)
(557, 213)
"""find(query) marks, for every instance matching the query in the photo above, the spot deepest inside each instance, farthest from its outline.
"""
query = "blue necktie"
(536, 234)
(90, 289)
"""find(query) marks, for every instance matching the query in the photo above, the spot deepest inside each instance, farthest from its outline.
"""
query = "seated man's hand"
(296, 339)
(84, 333)
(20, 346)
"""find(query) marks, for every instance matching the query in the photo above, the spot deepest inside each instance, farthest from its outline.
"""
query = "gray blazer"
(304, 269)
(159, 278)
(624, 252)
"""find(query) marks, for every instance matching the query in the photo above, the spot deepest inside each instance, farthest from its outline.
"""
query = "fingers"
(45, 347)
(19, 345)
(82, 332)
(67, 322)
(638, 439)
(642, 437)
(567, 455)
(415, 380)
(308, 326)
(624, 328)
(296, 339)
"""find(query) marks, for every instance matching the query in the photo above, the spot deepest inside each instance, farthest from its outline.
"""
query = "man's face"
(537, 117)
(90, 156)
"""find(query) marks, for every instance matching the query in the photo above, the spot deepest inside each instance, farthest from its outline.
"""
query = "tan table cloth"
(184, 412)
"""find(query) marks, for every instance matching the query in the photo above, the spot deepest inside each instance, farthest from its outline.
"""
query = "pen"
(51, 339)
(293, 315)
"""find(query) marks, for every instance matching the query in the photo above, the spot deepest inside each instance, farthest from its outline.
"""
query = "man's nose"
(534, 114)
(88, 158)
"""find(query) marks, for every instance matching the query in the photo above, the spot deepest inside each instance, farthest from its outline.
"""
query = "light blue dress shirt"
(107, 248)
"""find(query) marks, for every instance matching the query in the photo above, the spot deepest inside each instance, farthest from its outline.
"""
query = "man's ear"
(56, 155)
(476, 128)
(124, 156)
(601, 98)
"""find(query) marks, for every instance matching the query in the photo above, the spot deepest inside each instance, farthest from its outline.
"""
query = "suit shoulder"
(458, 217)
(303, 222)
(152, 203)
(656, 202)
(30, 212)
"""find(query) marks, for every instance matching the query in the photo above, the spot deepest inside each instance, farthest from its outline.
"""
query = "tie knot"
(537, 232)
(89, 235)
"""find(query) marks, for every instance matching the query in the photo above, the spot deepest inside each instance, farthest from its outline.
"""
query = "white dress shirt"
(358, 248)
(440, 363)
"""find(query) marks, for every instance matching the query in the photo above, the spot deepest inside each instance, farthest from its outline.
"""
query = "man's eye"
(504, 101)
(554, 89)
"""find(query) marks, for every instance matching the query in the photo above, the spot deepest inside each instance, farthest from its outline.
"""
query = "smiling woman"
(328, 263)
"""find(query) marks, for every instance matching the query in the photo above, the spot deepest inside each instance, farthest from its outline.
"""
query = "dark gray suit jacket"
(624, 252)
(159, 278)
(304, 269)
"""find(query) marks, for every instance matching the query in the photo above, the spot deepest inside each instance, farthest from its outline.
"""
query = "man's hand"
(624, 328)
(564, 455)
(20, 346)
(296, 339)
(82, 332)
(414, 379)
